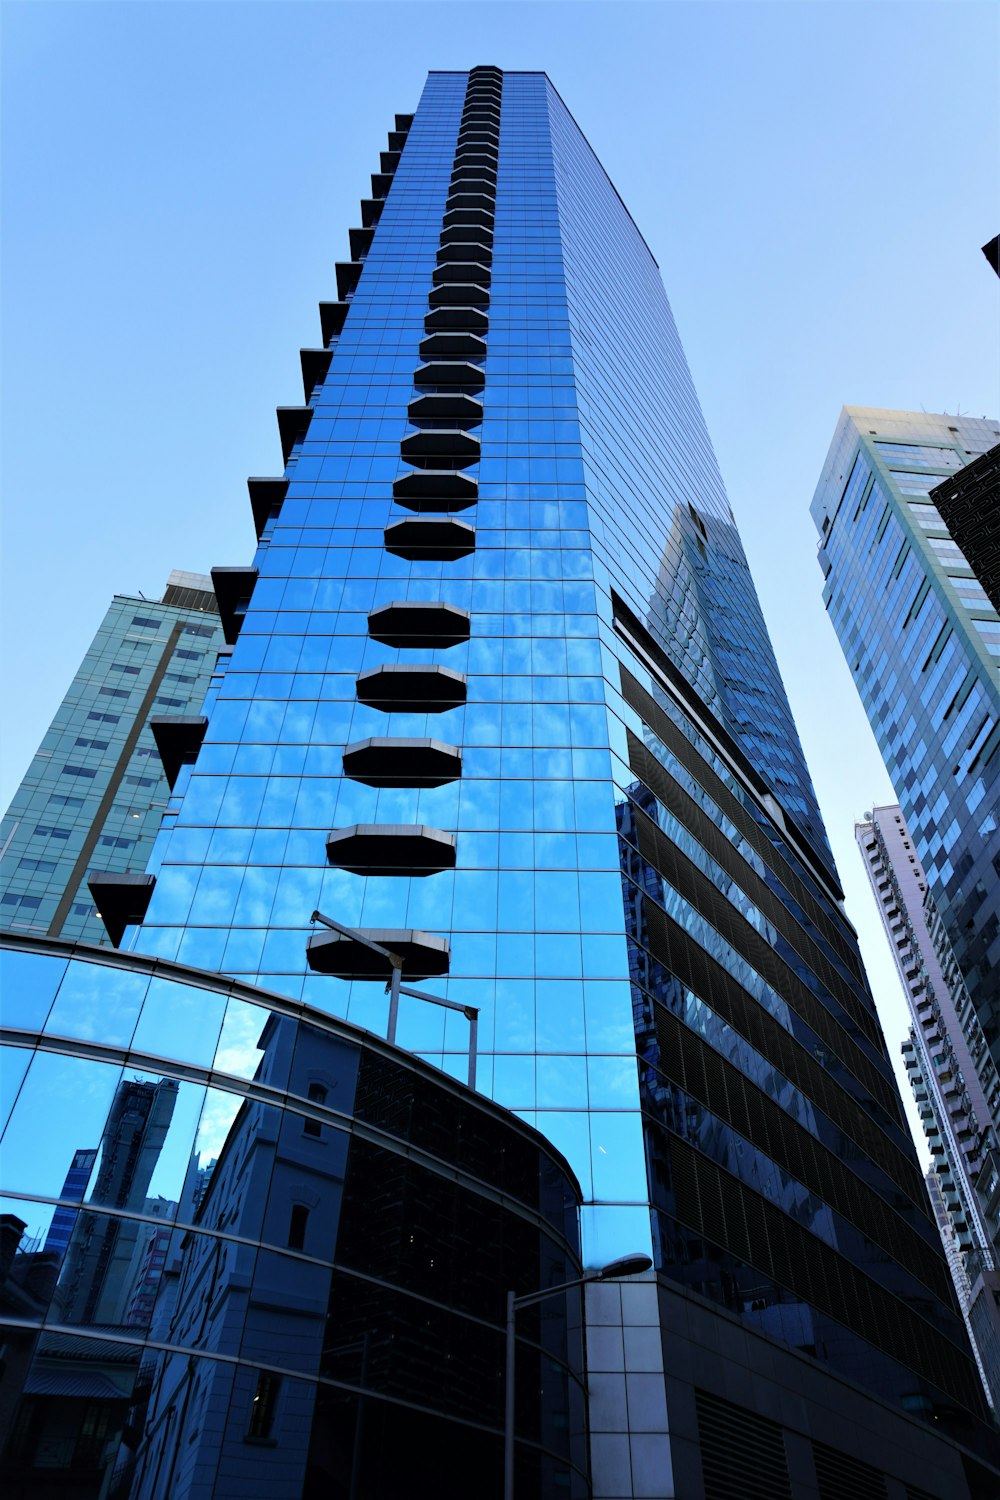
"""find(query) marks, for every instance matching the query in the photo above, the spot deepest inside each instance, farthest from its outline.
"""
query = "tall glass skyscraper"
(95, 792)
(501, 698)
(922, 641)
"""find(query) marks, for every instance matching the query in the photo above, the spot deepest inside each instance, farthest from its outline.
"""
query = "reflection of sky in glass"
(238, 1051)
(217, 1116)
(98, 1004)
(61, 1108)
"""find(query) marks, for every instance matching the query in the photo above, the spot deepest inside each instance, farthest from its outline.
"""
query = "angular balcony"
(475, 202)
(360, 241)
(459, 319)
(440, 448)
(233, 587)
(424, 954)
(331, 319)
(447, 406)
(477, 138)
(468, 218)
(474, 180)
(435, 489)
(391, 849)
(404, 123)
(461, 234)
(396, 761)
(462, 272)
(293, 424)
(414, 623)
(348, 276)
(469, 250)
(397, 140)
(178, 739)
(388, 161)
(371, 211)
(450, 347)
(455, 374)
(381, 183)
(266, 498)
(459, 294)
(485, 161)
(315, 368)
(430, 539)
(419, 689)
(121, 900)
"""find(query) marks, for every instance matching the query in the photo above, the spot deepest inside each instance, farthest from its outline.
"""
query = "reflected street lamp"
(626, 1265)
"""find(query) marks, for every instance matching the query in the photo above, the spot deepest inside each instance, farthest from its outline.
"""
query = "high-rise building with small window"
(502, 702)
(922, 641)
(954, 1079)
(94, 794)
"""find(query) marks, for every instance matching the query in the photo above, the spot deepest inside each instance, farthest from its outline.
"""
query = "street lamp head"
(626, 1265)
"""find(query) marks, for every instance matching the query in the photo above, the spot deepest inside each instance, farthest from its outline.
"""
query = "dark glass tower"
(501, 695)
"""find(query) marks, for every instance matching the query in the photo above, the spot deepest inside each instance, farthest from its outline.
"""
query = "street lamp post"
(627, 1265)
(395, 988)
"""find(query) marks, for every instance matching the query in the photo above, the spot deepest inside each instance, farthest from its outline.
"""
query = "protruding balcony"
(396, 761)
(470, 250)
(381, 183)
(477, 138)
(430, 539)
(266, 497)
(456, 374)
(474, 177)
(450, 347)
(371, 211)
(424, 954)
(121, 900)
(233, 587)
(462, 271)
(447, 406)
(391, 849)
(388, 161)
(478, 202)
(397, 140)
(435, 489)
(476, 156)
(461, 234)
(440, 448)
(464, 319)
(178, 739)
(361, 241)
(419, 689)
(404, 123)
(331, 319)
(465, 218)
(315, 368)
(348, 276)
(293, 424)
(480, 117)
(417, 622)
(460, 294)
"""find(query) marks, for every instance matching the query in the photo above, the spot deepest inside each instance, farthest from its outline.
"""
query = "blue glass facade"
(922, 641)
(502, 697)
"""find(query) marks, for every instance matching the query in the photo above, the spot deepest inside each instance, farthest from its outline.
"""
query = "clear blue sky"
(814, 179)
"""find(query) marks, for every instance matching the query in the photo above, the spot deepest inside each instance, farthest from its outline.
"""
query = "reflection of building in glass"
(969, 502)
(922, 641)
(498, 664)
(328, 1301)
(98, 1275)
(93, 797)
(73, 1189)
